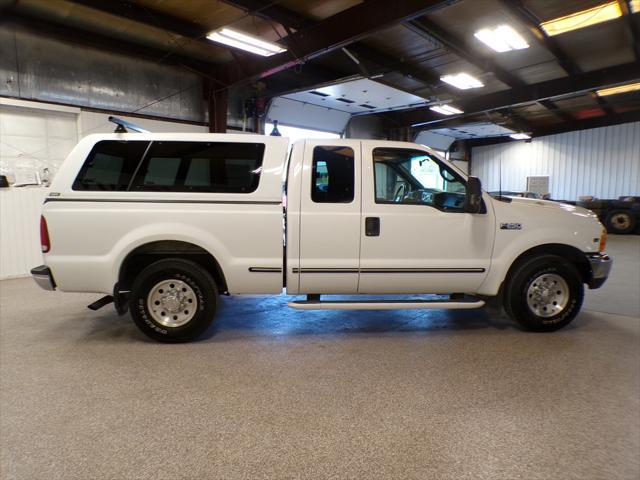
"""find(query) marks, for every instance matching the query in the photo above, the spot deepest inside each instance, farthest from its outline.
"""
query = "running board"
(386, 305)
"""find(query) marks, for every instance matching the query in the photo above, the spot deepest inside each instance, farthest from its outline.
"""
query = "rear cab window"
(333, 175)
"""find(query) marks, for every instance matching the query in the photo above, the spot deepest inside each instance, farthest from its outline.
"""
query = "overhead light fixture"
(630, 87)
(463, 81)
(446, 109)
(635, 6)
(601, 13)
(243, 41)
(520, 136)
(501, 39)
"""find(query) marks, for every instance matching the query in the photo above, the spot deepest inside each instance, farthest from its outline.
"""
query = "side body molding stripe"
(115, 200)
(388, 270)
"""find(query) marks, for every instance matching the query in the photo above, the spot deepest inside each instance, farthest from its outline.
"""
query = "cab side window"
(333, 176)
(414, 177)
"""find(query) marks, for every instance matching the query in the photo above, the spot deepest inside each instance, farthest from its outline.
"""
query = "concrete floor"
(277, 393)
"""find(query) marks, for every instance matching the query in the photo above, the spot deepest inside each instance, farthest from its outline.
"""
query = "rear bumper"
(600, 267)
(43, 277)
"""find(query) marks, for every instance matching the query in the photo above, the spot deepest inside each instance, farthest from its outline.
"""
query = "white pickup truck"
(164, 223)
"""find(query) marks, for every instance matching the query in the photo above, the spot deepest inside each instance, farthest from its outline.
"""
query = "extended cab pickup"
(164, 223)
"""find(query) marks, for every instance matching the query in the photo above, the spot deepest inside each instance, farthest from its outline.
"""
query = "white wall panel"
(33, 139)
(20, 230)
(603, 162)
(33, 136)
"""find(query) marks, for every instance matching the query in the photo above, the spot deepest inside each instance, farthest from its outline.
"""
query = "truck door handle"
(372, 226)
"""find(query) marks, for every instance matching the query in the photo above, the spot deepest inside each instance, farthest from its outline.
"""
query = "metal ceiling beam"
(7, 6)
(270, 11)
(195, 32)
(292, 19)
(575, 126)
(518, 121)
(556, 110)
(603, 104)
(387, 63)
(632, 26)
(603, 121)
(470, 54)
(527, 94)
(141, 14)
(518, 10)
(427, 28)
(337, 31)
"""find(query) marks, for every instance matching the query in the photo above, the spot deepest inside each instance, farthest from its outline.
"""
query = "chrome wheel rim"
(621, 221)
(172, 303)
(548, 295)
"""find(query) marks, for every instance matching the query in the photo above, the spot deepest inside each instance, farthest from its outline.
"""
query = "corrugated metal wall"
(603, 162)
(34, 66)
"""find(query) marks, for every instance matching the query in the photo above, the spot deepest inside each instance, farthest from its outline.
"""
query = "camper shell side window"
(168, 166)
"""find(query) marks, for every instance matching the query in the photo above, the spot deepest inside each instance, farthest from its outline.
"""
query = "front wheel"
(173, 300)
(544, 293)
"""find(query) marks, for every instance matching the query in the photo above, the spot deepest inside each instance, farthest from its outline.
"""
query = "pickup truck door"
(416, 237)
(329, 220)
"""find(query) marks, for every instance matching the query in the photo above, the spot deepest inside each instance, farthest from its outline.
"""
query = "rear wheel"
(544, 293)
(620, 221)
(173, 300)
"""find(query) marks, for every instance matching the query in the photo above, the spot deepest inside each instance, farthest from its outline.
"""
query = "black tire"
(523, 277)
(620, 221)
(201, 297)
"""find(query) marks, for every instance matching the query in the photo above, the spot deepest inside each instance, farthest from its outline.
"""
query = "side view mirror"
(473, 201)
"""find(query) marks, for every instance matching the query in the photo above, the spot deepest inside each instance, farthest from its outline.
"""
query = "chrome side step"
(386, 305)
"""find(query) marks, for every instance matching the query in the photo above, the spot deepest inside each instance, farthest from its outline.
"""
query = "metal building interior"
(274, 393)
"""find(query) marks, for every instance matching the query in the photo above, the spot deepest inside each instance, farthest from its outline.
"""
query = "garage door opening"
(296, 133)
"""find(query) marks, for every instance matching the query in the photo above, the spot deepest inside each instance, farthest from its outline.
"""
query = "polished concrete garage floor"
(276, 393)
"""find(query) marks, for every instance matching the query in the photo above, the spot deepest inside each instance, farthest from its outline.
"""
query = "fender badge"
(510, 226)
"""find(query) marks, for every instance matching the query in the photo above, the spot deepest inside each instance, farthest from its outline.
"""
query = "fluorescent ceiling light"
(501, 39)
(246, 42)
(601, 13)
(621, 89)
(463, 81)
(446, 109)
(520, 136)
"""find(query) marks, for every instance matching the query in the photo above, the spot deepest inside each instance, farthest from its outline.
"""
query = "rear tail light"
(603, 240)
(45, 243)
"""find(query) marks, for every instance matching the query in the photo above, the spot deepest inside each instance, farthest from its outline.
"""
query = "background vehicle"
(620, 216)
(162, 223)
(515, 194)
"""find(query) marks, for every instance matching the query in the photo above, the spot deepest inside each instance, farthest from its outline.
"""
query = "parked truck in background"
(164, 223)
(619, 216)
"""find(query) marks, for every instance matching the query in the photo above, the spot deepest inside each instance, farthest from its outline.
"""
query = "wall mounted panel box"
(164, 223)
